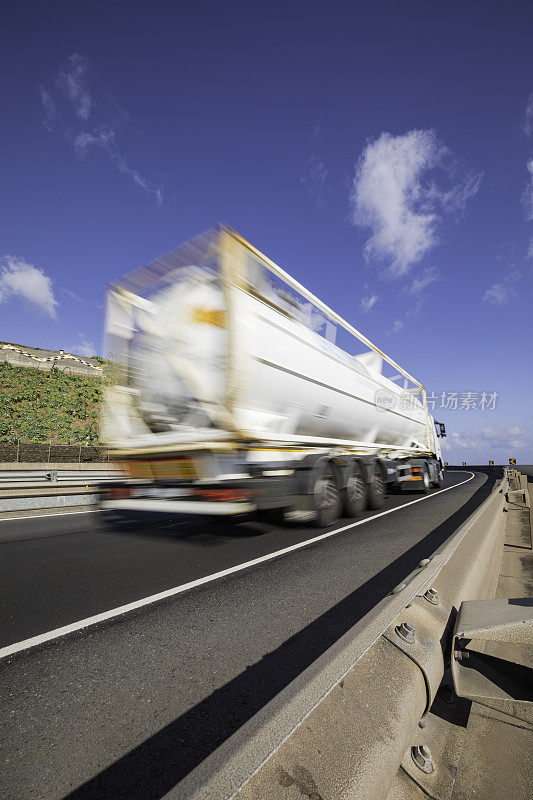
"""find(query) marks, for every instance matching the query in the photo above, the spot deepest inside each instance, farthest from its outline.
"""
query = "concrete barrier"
(34, 502)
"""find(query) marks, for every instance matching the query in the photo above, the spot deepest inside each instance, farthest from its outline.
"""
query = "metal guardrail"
(22, 478)
(357, 722)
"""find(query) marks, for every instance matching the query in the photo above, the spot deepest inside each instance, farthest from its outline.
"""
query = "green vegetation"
(50, 406)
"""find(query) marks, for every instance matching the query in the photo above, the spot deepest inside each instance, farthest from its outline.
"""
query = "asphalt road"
(126, 708)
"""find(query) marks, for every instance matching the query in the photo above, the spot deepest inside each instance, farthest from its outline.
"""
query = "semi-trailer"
(239, 392)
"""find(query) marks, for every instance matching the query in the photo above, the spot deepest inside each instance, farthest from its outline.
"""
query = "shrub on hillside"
(51, 406)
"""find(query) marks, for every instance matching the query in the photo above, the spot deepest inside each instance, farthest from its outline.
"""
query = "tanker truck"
(238, 392)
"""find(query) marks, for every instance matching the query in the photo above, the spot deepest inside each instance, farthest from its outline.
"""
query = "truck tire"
(426, 481)
(440, 477)
(355, 493)
(326, 498)
(376, 488)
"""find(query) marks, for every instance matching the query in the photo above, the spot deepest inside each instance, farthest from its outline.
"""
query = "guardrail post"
(49, 451)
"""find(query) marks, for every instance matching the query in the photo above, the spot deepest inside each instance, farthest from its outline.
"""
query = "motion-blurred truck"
(240, 392)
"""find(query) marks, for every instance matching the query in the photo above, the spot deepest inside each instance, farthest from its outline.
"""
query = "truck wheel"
(327, 499)
(426, 482)
(376, 489)
(440, 478)
(354, 494)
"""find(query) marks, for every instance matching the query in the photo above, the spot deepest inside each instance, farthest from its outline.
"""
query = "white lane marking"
(40, 516)
(25, 644)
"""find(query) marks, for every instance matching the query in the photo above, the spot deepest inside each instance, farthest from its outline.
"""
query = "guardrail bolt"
(432, 596)
(421, 755)
(461, 655)
(406, 631)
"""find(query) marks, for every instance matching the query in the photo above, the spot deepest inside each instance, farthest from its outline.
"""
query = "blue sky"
(381, 152)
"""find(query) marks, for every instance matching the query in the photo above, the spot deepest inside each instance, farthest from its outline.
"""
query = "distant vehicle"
(241, 392)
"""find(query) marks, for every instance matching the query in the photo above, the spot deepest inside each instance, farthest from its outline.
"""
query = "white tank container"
(204, 357)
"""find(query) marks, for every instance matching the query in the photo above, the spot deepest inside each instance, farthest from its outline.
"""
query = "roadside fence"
(48, 453)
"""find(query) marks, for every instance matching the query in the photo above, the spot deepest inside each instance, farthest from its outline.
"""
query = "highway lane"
(56, 570)
(127, 708)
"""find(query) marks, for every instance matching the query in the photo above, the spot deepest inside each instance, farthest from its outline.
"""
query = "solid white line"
(40, 516)
(154, 598)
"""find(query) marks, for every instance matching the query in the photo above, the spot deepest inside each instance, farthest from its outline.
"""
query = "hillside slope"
(50, 406)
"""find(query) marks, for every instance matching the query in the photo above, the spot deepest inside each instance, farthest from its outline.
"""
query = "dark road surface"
(126, 708)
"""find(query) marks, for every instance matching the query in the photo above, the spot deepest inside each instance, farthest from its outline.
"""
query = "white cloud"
(84, 140)
(72, 295)
(49, 108)
(368, 302)
(529, 253)
(73, 80)
(461, 441)
(527, 197)
(515, 437)
(394, 196)
(502, 292)
(528, 121)
(499, 294)
(136, 177)
(397, 326)
(315, 179)
(84, 347)
(18, 278)
(422, 281)
(67, 107)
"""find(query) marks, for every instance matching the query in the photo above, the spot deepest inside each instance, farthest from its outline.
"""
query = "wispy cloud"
(49, 109)
(396, 196)
(68, 107)
(72, 295)
(84, 141)
(105, 140)
(19, 278)
(502, 292)
(527, 197)
(397, 326)
(421, 282)
(528, 118)
(497, 437)
(466, 440)
(72, 79)
(83, 347)
(367, 303)
(136, 177)
(314, 178)
(499, 294)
